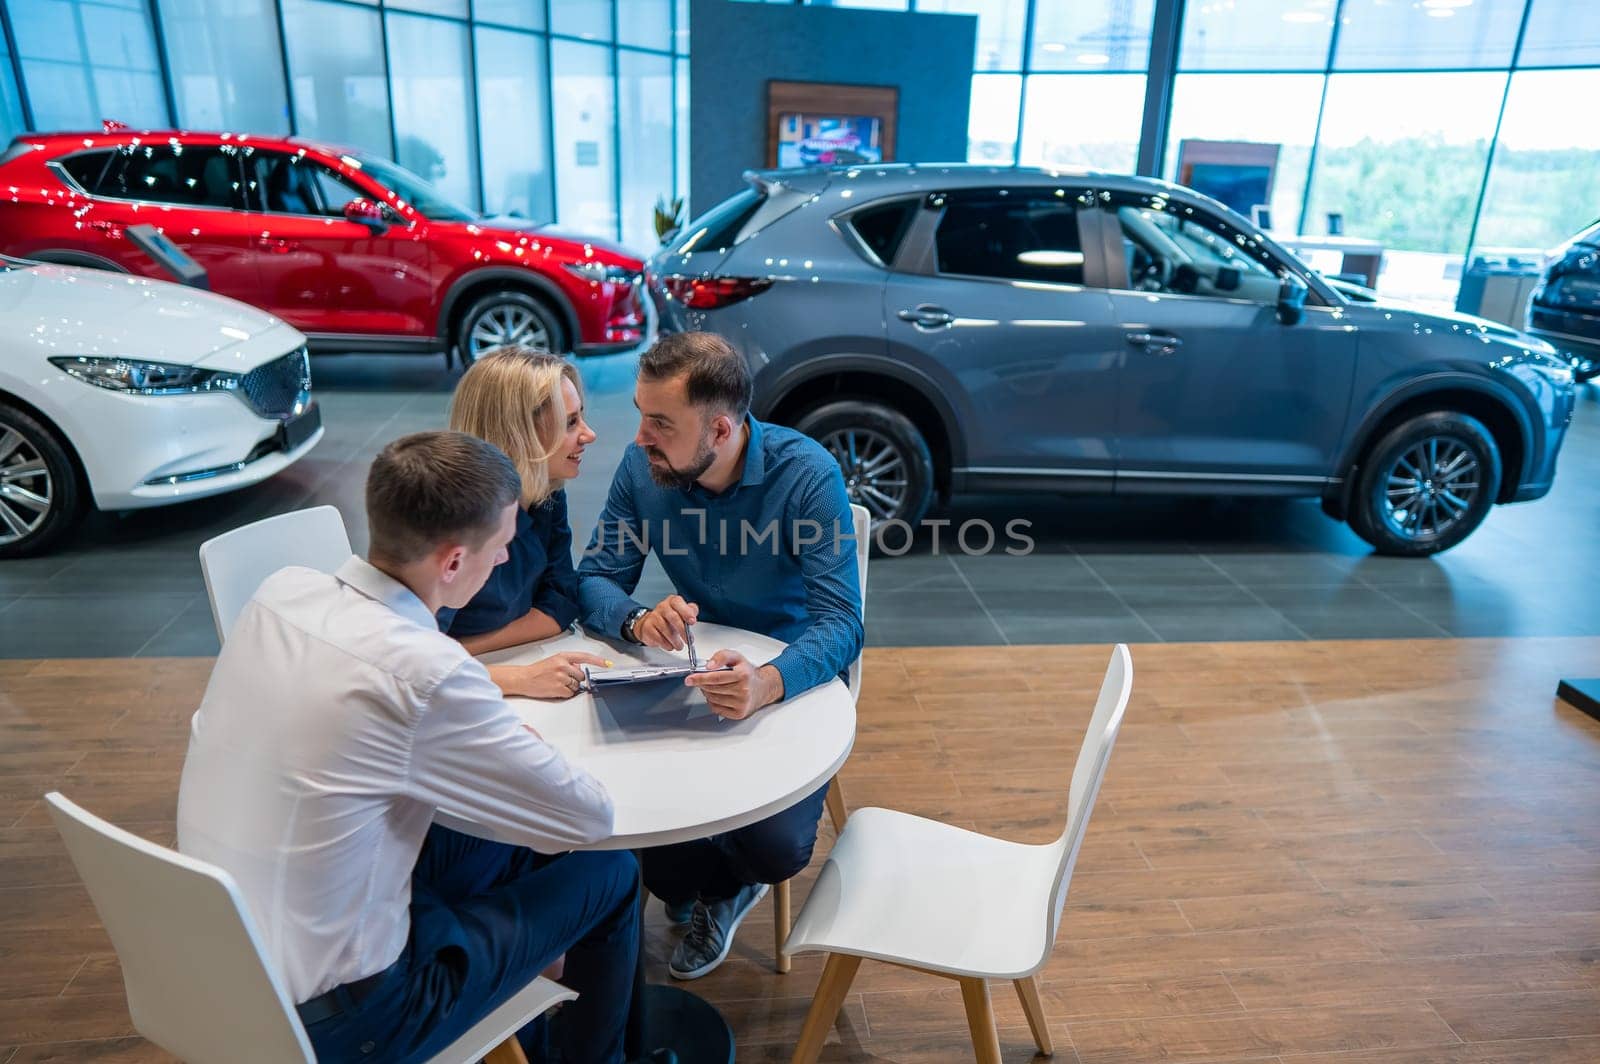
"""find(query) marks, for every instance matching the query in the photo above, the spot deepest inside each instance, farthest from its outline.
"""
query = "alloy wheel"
(507, 324)
(26, 493)
(874, 470)
(1431, 487)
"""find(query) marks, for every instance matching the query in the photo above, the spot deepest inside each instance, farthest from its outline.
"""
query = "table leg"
(670, 1017)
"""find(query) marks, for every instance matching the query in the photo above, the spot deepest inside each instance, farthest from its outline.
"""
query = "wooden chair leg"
(507, 1052)
(1028, 991)
(780, 926)
(837, 975)
(980, 1020)
(836, 808)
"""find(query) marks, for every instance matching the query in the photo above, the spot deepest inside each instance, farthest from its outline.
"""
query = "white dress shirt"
(337, 720)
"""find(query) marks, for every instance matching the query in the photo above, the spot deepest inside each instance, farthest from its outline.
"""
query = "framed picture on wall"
(818, 124)
(1239, 173)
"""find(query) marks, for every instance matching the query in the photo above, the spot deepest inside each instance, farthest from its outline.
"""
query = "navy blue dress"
(537, 576)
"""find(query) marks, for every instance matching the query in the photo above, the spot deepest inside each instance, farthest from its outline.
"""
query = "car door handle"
(1156, 343)
(927, 316)
(110, 228)
(276, 245)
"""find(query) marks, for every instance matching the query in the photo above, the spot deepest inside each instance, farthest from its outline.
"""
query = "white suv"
(134, 393)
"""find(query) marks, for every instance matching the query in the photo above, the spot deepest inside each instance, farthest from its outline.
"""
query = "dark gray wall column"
(735, 49)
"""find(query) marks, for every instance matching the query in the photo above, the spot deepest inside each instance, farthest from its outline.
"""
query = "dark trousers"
(487, 918)
(718, 867)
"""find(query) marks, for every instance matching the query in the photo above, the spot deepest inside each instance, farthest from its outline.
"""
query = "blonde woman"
(531, 407)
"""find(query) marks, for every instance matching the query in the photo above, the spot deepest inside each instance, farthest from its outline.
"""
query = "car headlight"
(138, 377)
(599, 271)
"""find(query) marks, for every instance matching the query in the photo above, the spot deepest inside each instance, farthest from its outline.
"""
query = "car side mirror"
(1291, 301)
(367, 213)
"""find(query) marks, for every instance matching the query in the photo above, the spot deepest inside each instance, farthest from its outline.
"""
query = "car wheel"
(39, 496)
(506, 317)
(886, 464)
(1426, 484)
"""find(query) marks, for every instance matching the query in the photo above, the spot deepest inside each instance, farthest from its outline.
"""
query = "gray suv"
(948, 329)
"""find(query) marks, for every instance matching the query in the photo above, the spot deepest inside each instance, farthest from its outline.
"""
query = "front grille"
(278, 389)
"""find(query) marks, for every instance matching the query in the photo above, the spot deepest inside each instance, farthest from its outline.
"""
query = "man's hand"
(556, 677)
(740, 691)
(664, 626)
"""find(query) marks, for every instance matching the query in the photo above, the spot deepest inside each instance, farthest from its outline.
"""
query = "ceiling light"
(1440, 12)
(1053, 46)
(1094, 59)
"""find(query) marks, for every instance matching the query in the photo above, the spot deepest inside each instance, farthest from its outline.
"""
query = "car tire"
(34, 465)
(1426, 484)
(507, 316)
(891, 473)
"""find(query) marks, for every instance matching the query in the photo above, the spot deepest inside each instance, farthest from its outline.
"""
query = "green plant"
(669, 215)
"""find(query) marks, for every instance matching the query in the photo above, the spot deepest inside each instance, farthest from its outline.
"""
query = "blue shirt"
(538, 575)
(774, 553)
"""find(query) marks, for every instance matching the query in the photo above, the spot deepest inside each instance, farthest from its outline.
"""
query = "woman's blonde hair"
(512, 398)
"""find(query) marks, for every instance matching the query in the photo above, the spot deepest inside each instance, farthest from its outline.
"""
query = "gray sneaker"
(678, 915)
(710, 935)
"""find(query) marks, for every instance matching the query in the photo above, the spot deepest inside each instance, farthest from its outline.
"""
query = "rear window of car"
(739, 217)
(882, 228)
(86, 168)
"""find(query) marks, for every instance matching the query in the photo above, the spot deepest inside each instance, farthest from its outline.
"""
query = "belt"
(338, 1000)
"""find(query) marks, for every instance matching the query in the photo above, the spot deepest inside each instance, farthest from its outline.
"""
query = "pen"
(688, 635)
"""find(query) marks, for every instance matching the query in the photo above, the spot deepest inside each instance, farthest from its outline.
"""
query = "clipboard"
(594, 679)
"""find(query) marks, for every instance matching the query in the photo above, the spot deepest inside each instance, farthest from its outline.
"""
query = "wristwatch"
(630, 620)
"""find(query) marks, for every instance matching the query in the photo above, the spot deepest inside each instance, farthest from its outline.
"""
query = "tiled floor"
(1141, 570)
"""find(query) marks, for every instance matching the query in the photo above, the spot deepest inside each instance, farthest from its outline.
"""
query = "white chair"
(952, 903)
(235, 563)
(837, 810)
(198, 984)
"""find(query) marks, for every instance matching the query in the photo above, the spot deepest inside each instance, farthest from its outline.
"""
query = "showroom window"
(1021, 235)
(1542, 183)
(1002, 25)
(585, 128)
(513, 118)
(1082, 120)
(644, 109)
(1278, 111)
(992, 118)
(337, 74)
(1400, 160)
(12, 119)
(435, 116)
(226, 64)
(86, 61)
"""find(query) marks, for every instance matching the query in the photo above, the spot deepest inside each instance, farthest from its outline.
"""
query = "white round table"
(675, 770)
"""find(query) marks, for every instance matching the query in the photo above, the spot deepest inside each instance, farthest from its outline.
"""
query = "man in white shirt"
(338, 720)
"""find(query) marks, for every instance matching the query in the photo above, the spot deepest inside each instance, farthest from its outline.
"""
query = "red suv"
(352, 250)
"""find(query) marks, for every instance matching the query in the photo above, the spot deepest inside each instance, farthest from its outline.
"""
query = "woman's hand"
(557, 677)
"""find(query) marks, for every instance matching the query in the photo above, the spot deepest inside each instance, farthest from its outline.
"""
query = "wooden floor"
(1304, 853)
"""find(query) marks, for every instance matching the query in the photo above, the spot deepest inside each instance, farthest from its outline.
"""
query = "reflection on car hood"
(511, 224)
(63, 310)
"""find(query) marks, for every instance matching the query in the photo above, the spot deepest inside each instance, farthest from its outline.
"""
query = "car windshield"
(423, 197)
